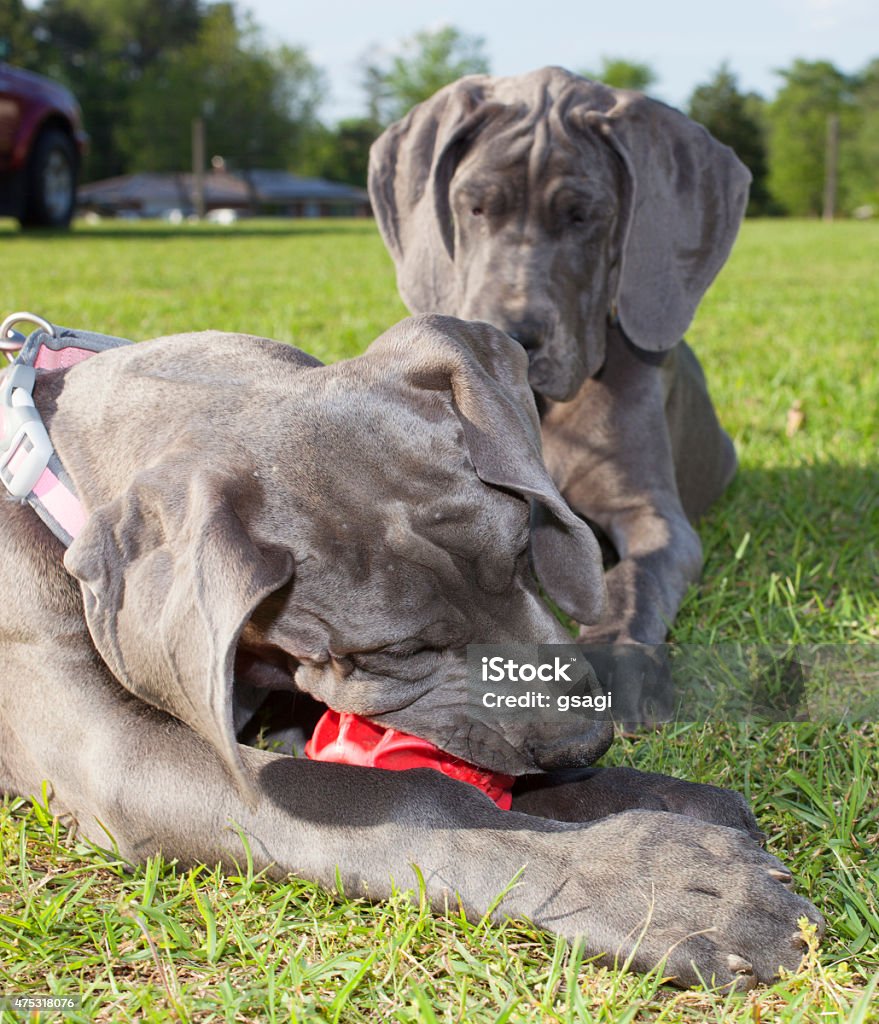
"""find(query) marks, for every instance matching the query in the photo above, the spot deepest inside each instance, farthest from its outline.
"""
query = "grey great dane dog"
(255, 520)
(586, 222)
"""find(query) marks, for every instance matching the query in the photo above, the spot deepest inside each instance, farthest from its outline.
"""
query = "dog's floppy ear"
(487, 375)
(169, 578)
(410, 168)
(686, 197)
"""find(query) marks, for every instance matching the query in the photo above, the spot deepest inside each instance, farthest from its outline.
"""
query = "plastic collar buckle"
(21, 424)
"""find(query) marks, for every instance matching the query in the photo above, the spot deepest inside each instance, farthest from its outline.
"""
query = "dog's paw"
(703, 899)
(712, 804)
(592, 793)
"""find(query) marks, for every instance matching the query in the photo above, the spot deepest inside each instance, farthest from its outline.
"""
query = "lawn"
(789, 332)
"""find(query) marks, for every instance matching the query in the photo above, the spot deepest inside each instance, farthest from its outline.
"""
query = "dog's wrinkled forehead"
(540, 148)
(394, 502)
(549, 91)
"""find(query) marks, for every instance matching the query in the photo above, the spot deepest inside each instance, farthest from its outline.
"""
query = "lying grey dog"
(587, 223)
(255, 520)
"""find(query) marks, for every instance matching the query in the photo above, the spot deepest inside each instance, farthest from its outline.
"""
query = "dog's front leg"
(645, 884)
(587, 794)
(669, 877)
(610, 452)
(138, 781)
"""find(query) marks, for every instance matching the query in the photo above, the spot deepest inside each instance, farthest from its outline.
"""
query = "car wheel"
(50, 188)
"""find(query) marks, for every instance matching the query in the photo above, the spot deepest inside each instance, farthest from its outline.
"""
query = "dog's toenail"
(737, 965)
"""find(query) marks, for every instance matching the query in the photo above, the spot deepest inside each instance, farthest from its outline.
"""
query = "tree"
(423, 64)
(341, 153)
(136, 30)
(797, 118)
(142, 69)
(257, 104)
(736, 120)
(623, 74)
(101, 49)
(861, 161)
(17, 42)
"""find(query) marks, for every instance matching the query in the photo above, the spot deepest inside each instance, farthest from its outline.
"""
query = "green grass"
(791, 556)
(326, 286)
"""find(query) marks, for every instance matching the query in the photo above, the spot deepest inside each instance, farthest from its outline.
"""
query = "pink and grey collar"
(29, 467)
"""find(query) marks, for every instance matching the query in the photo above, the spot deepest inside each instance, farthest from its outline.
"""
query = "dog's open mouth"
(349, 739)
(294, 723)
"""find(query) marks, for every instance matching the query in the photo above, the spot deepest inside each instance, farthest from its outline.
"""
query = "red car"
(41, 143)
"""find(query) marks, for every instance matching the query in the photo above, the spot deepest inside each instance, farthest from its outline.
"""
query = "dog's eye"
(483, 199)
(403, 662)
(576, 217)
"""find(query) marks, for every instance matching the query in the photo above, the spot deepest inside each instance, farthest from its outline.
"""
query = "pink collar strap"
(29, 468)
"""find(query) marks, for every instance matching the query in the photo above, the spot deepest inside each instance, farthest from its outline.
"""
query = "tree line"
(144, 69)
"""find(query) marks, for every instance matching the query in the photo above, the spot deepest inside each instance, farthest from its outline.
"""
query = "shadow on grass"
(830, 496)
(794, 548)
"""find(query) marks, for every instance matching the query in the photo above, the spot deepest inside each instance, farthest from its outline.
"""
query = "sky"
(684, 41)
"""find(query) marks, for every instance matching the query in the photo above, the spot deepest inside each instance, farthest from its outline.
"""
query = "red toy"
(350, 739)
